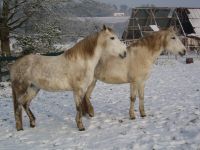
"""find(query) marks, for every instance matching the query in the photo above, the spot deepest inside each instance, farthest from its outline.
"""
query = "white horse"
(71, 71)
(135, 68)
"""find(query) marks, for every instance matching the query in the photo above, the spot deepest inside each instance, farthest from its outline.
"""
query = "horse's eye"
(173, 38)
(112, 38)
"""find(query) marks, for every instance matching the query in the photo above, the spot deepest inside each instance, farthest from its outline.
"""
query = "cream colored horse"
(71, 71)
(135, 68)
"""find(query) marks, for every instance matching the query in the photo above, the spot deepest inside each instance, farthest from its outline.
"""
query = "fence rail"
(9, 58)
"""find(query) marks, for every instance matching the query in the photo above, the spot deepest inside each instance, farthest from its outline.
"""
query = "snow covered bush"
(40, 42)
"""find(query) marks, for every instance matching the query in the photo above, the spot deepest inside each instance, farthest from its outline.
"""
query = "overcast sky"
(162, 3)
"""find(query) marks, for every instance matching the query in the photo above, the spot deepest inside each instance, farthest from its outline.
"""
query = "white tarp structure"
(194, 18)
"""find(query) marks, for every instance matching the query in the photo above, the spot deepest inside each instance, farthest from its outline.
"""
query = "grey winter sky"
(162, 3)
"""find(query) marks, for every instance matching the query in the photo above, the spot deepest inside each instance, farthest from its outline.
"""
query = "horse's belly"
(53, 85)
(113, 71)
(112, 78)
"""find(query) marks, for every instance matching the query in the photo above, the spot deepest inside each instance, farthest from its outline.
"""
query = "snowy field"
(172, 102)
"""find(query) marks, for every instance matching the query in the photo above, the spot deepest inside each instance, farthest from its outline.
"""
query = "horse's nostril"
(184, 51)
(125, 54)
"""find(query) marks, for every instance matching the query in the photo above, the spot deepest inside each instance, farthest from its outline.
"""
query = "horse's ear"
(171, 28)
(176, 30)
(104, 27)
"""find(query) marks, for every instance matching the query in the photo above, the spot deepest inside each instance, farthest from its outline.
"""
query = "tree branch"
(19, 24)
(17, 4)
(14, 22)
(11, 16)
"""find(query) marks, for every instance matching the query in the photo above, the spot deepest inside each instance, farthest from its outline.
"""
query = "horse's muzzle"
(122, 55)
(182, 53)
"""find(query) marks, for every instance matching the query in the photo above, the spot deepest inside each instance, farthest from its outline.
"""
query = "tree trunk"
(5, 42)
(4, 30)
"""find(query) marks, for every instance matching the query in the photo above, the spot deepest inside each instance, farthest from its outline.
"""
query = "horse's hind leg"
(30, 115)
(17, 112)
(86, 104)
(133, 90)
(18, 117)
(141, 99)
(78, 95)
(28, 96)
(17, 90)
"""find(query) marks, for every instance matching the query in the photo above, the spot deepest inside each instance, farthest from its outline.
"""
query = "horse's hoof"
(132, 118)
(32, 124)
(91, 114)
(144, 115)
(20, 129)
(82, 129)
(91, 111)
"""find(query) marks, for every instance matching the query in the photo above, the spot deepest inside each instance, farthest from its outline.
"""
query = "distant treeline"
(83, 8)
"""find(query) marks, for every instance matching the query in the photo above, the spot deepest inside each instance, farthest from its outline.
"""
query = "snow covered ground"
(172, 102)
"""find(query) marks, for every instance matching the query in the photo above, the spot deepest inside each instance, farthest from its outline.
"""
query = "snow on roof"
(194, 13)
(194, 18)
(154, 27)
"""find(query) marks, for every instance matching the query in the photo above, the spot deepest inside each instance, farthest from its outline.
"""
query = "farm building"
(186, 22)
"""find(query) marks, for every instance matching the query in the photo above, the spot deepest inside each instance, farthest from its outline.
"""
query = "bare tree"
(13, 14)
(38, 18)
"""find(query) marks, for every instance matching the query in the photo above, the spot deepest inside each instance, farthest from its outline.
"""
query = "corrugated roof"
(194, 18)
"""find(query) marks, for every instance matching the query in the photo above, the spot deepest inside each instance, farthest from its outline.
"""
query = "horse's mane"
(153, 42)
(84, 48)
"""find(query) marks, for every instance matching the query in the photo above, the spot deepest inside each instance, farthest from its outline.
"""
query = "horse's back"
(20, 66)
(32, 60)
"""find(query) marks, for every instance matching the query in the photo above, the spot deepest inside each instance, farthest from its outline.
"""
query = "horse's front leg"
(141, 99)
(133, 91)
(78, 95)
(86, 104)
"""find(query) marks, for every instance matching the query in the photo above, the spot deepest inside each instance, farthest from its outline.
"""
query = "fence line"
(5, 60)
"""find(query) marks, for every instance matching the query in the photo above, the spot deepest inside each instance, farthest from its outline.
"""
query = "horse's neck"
(148, 56)
(105, 58)
(94, 60)
(98, 54)
(69, 56)
(154, 52)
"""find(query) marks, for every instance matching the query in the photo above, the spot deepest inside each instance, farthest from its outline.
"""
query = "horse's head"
(173, 43)
(111, 43)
